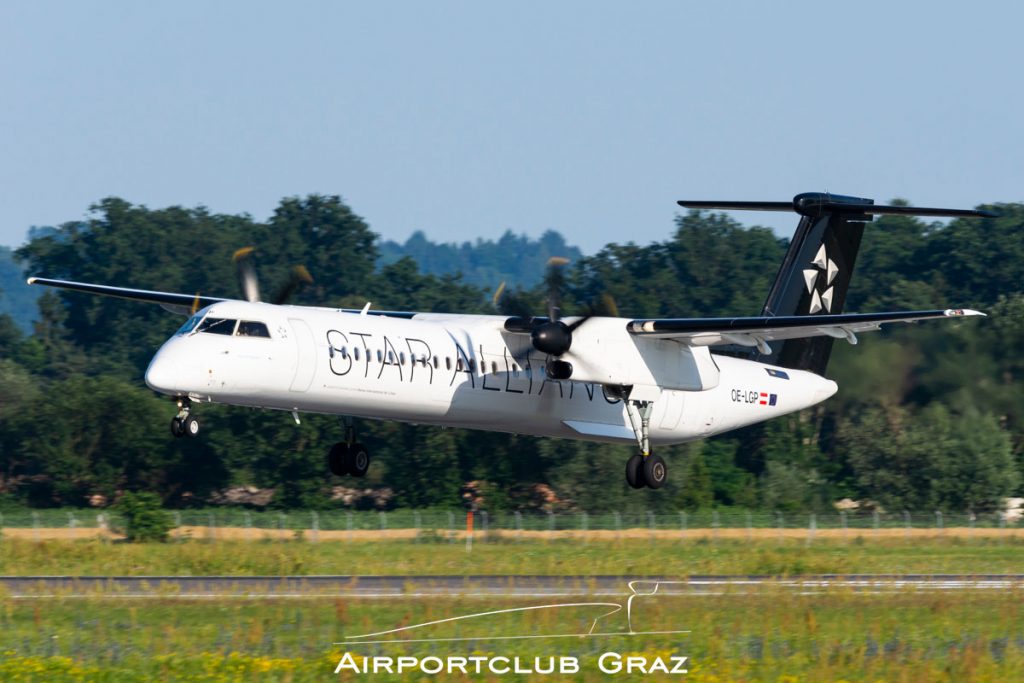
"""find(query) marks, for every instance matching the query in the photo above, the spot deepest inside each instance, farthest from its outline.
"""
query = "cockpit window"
(252, 328)
(189, 325)
(218, 326)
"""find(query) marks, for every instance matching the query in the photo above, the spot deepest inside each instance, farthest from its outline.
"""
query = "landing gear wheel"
(190, 426)
(358, 460)
(655, 471)
(177, 427)
(635, 472)
(337, 459)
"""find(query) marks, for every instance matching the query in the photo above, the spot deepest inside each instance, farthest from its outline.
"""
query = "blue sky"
(463, 119)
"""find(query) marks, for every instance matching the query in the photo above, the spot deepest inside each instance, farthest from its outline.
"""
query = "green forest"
(927, 417)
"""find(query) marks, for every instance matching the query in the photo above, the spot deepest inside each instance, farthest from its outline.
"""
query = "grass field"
(530, 555)
(768, 636)
(772, 634)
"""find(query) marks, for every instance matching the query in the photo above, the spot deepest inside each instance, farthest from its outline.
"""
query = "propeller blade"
(609, 305)
(247, 279)
(496, 299)
(511, 303)
(605, 306)
(195, 304)
(555, 280)
(576, 324)
(299, 276)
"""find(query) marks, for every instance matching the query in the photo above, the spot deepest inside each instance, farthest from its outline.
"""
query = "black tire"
(635, 472)
(655, 471)
(177, 429)
(358, 460)
(337, 459)
(190, 426)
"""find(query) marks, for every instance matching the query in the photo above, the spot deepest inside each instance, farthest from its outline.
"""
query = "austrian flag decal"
(768, 399)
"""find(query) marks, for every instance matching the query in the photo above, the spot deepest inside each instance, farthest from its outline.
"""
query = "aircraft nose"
(826, 389)
(161, 375)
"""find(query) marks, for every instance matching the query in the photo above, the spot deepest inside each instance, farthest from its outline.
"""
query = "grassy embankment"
(506, 555)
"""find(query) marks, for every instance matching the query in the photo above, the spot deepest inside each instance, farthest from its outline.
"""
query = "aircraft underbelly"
(557, 409)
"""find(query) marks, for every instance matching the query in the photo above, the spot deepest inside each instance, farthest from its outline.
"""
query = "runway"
(370, 587)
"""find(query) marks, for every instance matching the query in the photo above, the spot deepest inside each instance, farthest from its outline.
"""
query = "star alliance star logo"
(825, 269)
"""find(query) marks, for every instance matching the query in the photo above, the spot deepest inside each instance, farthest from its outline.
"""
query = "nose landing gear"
(184, 423)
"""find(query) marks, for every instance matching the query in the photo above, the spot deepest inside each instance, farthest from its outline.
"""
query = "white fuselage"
(467, 371)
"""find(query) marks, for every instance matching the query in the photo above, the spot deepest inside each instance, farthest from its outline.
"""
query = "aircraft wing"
(756, 331)
(184, 304)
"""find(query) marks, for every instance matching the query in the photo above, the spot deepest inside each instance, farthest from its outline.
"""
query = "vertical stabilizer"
(815, 274)
(814, 279)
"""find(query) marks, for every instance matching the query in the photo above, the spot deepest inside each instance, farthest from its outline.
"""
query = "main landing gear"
(644, 469)
(348, 457)
(184, 423)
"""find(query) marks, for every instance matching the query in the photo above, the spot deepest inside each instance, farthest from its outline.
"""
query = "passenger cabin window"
(251, 328)
(218, 326)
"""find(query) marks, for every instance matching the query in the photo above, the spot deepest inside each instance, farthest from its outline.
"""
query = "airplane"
(597, 378)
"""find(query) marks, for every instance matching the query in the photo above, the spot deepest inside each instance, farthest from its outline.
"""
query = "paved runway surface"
(480, 586)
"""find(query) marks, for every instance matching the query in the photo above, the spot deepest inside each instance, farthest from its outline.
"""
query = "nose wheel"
(184, 423)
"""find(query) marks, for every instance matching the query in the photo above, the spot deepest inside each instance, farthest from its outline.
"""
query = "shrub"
(144, 518)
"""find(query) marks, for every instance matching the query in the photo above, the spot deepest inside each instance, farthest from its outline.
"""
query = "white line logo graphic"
(637, 588)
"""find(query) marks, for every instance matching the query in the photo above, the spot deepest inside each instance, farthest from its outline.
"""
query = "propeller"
(298, 277)
(551, 336)
(249, 282)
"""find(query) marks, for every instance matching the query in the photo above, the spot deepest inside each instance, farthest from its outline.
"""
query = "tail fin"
(815, 274)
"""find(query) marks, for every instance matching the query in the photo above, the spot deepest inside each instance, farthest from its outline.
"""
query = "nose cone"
(161, 375)
(826, 389)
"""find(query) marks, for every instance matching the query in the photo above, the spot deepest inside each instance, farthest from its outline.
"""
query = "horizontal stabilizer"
(820, 203)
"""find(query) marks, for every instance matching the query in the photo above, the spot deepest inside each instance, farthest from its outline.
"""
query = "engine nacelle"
(604, 352)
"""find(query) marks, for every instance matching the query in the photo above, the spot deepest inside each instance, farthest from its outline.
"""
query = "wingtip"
(960, 312)
(31, 280)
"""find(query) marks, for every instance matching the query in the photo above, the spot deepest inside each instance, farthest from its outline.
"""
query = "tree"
(929, 460)
(90, 435)
(697, 492)
(423, 467)
(322, 233)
